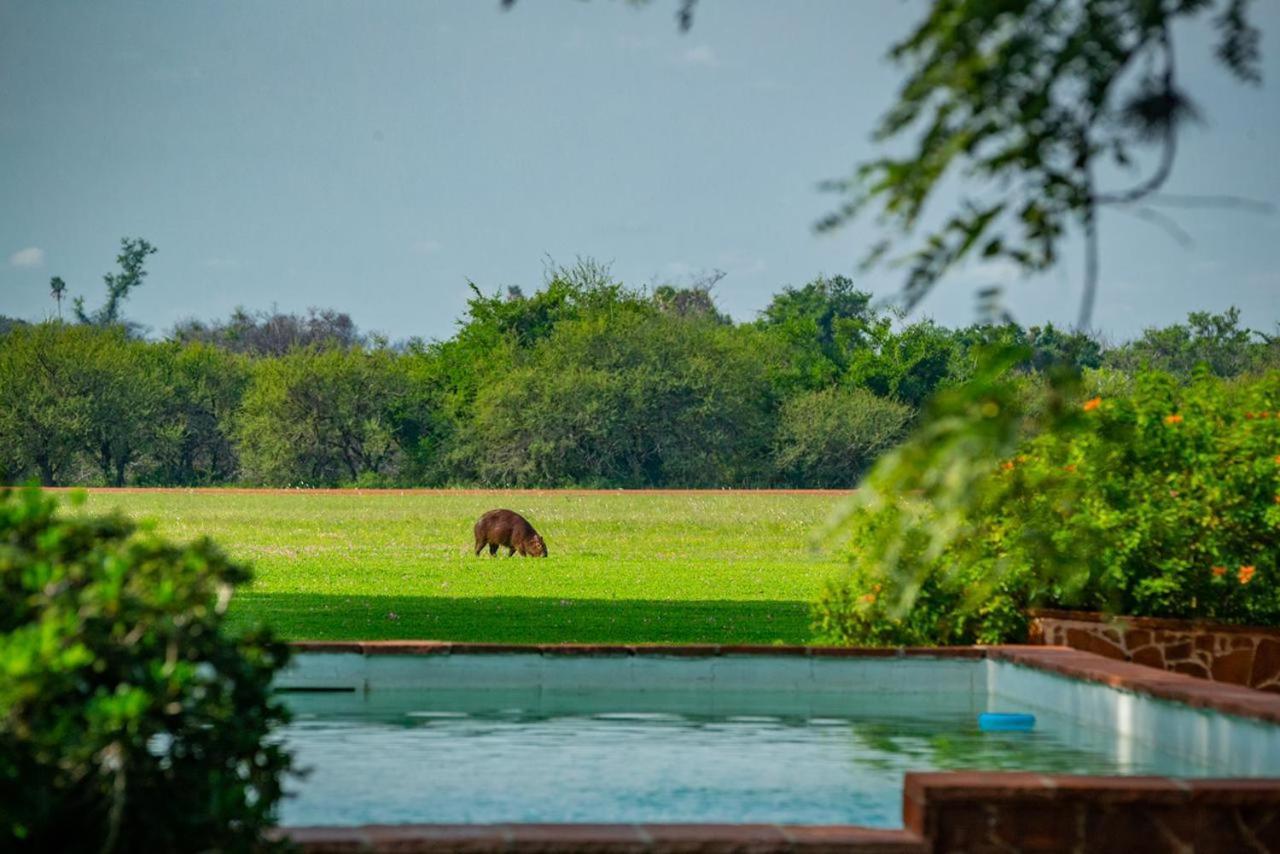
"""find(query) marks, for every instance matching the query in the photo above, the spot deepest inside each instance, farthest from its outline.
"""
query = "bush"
(1160, 501)
(632, 398)
(321, 418)
(130, 719)
(829, 438)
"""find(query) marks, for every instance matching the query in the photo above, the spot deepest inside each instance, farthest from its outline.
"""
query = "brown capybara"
(510, 529)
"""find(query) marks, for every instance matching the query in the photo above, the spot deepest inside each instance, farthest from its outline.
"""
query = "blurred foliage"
(130, 718)
(1158, 498)
(1032, 105)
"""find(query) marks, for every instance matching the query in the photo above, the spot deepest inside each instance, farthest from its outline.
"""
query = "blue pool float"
(1006, 722)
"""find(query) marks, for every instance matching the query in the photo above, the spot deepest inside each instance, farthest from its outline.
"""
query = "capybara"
(510, 529)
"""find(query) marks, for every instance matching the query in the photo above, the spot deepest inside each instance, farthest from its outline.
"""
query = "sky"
(375, 157)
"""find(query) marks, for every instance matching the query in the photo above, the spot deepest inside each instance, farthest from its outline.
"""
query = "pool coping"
(941, 810)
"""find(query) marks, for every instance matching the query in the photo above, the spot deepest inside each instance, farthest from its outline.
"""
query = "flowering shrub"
(1160, 500)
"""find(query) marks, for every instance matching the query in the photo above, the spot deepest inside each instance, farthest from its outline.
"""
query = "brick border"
(582, 838)
(1000, 812)
(942, 812)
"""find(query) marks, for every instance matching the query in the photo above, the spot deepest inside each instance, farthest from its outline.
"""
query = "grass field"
(713, 567)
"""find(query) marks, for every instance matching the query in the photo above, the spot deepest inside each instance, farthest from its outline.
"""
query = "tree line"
(585, 382)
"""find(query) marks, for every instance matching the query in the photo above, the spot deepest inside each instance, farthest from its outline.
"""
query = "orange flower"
(1092, 404)
(1278, 459)
(1175, 418)
(1246, 573)
(868, 598)
(1007, 465)
(1219, 571)
(1071, 468)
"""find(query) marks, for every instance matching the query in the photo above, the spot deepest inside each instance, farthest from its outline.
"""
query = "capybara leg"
(493, 548)
(511, 550)
(479, 547)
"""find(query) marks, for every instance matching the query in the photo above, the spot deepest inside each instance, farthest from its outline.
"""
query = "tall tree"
(131, 260)
(58, 290)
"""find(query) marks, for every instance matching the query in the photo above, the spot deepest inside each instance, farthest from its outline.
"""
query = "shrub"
(829, 438)
(633, 398)
(1161, 501)
(130, 719)
(321, 418)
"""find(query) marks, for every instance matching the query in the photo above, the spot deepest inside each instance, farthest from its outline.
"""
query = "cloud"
(427, 247)
(32, 256)
(702, 55)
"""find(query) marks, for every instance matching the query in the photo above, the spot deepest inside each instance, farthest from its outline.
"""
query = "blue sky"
(374, 156)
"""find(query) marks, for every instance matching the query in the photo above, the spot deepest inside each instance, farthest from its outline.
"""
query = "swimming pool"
(529, 737)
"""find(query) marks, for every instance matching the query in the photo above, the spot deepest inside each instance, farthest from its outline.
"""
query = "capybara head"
(535, 546)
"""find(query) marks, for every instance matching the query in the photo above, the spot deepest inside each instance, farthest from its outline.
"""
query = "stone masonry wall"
(1241, 655)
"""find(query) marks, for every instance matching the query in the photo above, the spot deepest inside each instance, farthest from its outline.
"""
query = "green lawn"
(727, 567)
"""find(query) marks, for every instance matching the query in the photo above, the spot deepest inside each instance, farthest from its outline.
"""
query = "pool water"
(534, 754)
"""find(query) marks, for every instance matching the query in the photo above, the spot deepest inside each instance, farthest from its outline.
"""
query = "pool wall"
(955, 811)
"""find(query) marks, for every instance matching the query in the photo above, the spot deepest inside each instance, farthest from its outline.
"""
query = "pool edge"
(942, 811)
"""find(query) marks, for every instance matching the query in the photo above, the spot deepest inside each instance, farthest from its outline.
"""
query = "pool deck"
(942, 812)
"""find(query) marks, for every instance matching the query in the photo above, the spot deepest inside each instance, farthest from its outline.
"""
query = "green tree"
(909, 364)
(829, 438)
(127, 392)
(833, 308)
(46, 397)
(318, 418)
(131, 260)
(625, 398)
(194, 441)
(58, 290)
(1217, 341)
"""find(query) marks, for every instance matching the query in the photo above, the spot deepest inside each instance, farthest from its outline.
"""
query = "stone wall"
(1240, 655)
